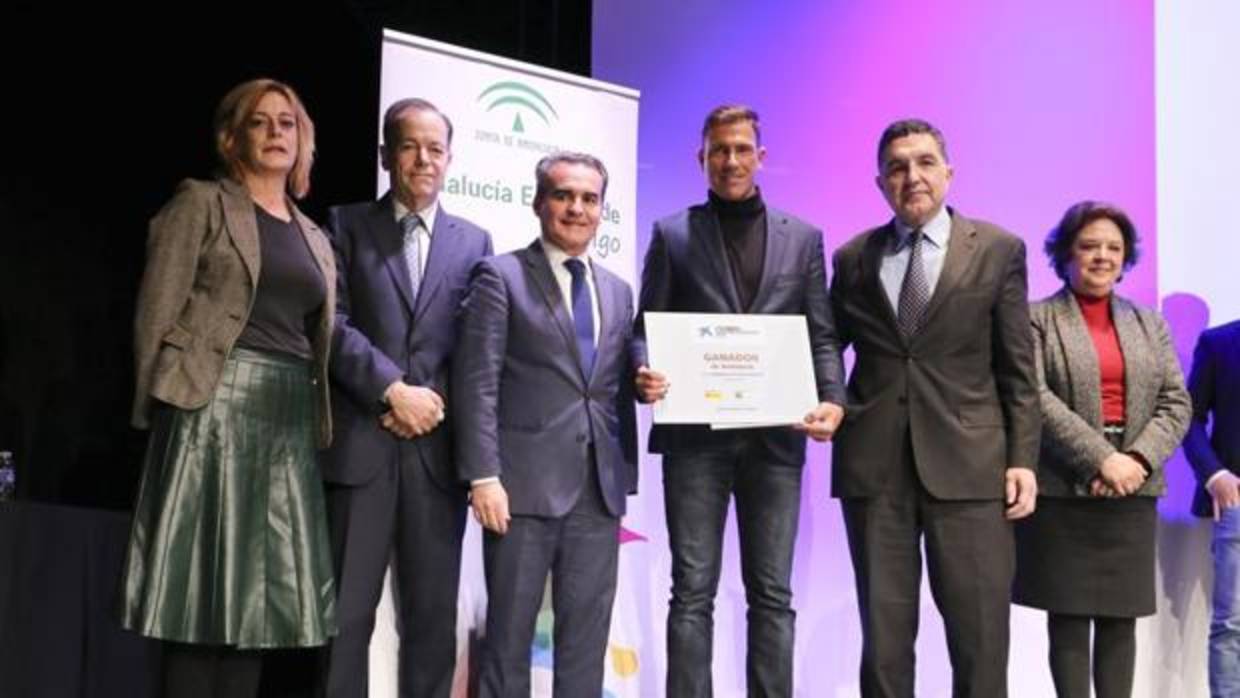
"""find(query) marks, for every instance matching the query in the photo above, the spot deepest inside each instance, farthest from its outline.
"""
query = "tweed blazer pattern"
(1156, 405)
(197, 290)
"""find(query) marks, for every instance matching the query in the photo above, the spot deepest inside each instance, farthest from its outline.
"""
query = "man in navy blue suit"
(1214, 383)
(544, 405)
(392, 492)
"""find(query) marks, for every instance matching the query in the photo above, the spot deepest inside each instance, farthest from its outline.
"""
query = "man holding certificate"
(734, 254)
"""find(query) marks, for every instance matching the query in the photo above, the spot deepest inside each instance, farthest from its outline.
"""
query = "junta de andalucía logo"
(521, 99)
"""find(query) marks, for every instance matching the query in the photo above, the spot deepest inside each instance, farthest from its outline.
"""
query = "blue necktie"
(583, 315)
(413, 250)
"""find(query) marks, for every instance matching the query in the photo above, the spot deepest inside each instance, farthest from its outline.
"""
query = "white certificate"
(732, 371)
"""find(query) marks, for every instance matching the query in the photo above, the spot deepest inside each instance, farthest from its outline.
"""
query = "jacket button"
(581, 438)
(903, 400)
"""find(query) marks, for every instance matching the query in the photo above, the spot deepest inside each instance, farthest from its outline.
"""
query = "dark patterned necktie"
(583, 315)
(413, 250)
(915, 290)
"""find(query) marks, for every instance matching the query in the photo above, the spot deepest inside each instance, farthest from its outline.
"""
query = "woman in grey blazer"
(1114, 408)
(228, 552)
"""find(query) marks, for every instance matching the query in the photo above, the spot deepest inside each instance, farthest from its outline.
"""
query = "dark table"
(59, 570)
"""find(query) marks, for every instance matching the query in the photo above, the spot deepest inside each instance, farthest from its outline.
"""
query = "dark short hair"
(542, 171)
(908, 127)
(730, 114)
(394, 113)
(1059, 241)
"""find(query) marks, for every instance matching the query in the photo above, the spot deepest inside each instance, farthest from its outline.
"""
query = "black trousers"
(207, 671)
(405, 517)
(697, 490)
(970, 558)
(580, 550)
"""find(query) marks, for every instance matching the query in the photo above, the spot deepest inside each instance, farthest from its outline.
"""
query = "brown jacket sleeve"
(177, 236)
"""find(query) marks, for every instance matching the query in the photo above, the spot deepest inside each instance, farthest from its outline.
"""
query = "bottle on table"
(8, 476)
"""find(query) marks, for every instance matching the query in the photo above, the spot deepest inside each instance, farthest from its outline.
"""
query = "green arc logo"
(523, 98)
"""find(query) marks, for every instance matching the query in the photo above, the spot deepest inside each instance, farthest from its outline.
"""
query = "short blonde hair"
(232, 116)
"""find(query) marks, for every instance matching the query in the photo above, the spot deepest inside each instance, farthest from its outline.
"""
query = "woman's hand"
(1122, 474)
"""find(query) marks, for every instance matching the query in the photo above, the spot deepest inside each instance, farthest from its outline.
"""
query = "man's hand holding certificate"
(733, 371)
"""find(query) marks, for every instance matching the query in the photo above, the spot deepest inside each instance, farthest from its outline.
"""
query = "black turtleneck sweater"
(743, 224)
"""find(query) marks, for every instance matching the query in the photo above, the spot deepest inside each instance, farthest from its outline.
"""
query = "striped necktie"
(413, 250)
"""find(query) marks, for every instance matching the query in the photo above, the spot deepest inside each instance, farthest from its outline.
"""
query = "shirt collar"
(556, 256)
(937, 230)
(427, 214)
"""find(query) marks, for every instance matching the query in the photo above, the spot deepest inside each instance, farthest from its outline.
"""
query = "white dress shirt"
(936, 232)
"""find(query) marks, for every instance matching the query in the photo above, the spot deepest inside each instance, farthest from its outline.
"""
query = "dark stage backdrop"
(105, 110)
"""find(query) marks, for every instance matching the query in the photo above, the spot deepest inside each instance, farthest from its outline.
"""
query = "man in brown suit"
(934, 305)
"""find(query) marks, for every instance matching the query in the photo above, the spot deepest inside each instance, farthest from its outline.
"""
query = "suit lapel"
(961, 246)
(608, 310)
(321, 250)
(536, 262)
(776, 247)
(443, 247)
(1138, 358)
(710, 236)
(389, 239)
(242, 225)
(1084, 376)
(871, 279)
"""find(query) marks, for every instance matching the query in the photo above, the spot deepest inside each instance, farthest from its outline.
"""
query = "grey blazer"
(202, 262)
(1156, 405)
(963, 387)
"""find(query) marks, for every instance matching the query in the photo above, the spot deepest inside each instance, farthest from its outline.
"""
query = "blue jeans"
(1225, 625)
(697, 490)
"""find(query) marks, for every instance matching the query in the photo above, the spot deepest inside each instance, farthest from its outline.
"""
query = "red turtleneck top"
(1097, 313)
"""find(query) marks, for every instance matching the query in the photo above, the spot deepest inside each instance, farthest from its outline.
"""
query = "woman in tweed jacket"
(1114, 409)
(228, 552)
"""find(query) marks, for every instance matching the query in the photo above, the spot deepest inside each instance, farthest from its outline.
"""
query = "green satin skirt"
(229, 543)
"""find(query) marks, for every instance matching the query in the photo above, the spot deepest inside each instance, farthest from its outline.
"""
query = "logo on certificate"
(719, 333)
